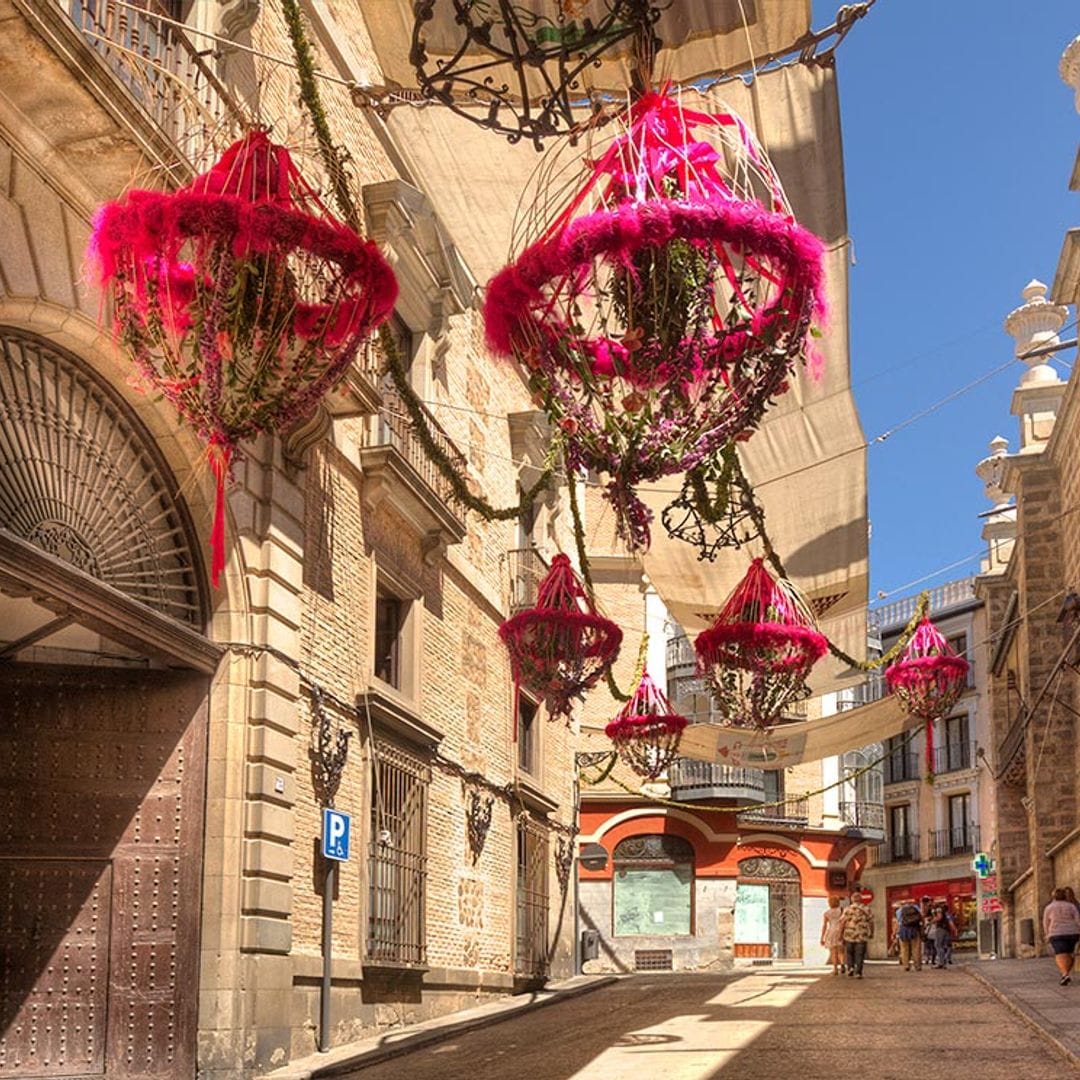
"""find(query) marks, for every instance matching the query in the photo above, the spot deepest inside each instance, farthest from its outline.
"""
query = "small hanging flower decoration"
(647, 731)
(240, 298)
(928, 678)
(757, 654)
(667, 303)
(562, 646)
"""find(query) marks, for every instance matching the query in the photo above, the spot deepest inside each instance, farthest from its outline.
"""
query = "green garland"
(334, 157)
(439, 457)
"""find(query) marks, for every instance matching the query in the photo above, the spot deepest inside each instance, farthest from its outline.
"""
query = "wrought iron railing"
(795, 811)
(895, 849)
(901, 765)
(862, 814)
(162, 71)
(392, 427)
(688, 773)
(527, 569)
(954, 756)
(958, 840)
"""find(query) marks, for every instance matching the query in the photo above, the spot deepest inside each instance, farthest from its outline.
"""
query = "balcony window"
(902, 763)
(531, 908)
(901, 834)
(960, 822)
(956, 750)
(528, 735)
(654, 885)
(397, 858)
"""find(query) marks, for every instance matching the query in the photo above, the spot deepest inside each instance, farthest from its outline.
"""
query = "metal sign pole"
(327, 953)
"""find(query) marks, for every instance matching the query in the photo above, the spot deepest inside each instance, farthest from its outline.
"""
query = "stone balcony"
(690, 779)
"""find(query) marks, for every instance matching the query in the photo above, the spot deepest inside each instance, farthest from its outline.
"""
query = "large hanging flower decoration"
(241, 299)
(647, 731)
(758, 652)
(562, 646)
(665, 305)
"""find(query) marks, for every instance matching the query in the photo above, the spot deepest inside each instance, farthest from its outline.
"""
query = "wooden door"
(101, 806)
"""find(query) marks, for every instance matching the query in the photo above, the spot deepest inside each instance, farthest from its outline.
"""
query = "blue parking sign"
(335, 835)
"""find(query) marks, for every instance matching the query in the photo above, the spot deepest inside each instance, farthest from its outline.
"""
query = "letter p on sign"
(335, 835)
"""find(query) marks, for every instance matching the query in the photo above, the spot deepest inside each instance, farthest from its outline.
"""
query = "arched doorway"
(103, 675)
(771, 912)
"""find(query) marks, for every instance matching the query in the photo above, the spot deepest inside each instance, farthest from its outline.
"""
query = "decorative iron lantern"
(928, 677)
(757, 654)
(666, 302)
(647, 731)
(240, 298)
(562, 646)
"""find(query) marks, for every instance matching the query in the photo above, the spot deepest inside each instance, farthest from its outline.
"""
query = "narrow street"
(757, 1025)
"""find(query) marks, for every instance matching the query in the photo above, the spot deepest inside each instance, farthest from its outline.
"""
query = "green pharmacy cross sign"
(982, 864)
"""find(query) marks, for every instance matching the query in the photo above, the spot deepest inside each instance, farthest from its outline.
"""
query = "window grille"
(653, 960)
(397, 860)
(531, 922)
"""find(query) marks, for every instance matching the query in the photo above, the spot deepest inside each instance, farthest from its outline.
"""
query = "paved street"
(753, 1025)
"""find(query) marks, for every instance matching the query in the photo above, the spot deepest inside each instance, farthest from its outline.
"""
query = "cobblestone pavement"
(753, 1025)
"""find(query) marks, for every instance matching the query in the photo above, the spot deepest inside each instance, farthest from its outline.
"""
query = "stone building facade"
(179, 726)
(1029, 589)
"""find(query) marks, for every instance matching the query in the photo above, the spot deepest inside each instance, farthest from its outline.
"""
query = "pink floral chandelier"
(562, 646)
(666, 303)
(647, 731)
(240, 298)
(758, 652)
(928, 677)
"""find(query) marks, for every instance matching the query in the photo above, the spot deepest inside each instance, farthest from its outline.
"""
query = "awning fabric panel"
(793, 744)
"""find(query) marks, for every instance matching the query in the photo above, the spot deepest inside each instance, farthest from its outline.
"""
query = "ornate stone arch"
(81, 479)
(766, 868)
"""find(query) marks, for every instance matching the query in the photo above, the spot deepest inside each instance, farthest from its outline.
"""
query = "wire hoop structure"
(240, 298)
(757, 654)
(647, 731)
(929, 677)
(661, 297)
(562, 646)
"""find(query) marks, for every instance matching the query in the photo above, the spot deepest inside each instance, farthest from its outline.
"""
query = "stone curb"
(1028, 1015)
(360, 1055)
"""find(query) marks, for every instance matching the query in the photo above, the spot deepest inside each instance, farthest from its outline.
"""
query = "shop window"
(653, 886)
(528, 735)
(397, 857)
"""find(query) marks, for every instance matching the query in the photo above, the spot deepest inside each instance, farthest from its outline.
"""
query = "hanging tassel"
(929, 749)
(219, 454)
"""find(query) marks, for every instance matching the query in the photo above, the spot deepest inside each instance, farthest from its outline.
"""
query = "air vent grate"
(653, 960)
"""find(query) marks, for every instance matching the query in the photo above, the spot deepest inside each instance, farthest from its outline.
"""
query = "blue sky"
(959, 139)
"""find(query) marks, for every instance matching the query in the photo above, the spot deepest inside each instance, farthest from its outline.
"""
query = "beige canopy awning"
(699, 38)
(792, 744)
(808, 458)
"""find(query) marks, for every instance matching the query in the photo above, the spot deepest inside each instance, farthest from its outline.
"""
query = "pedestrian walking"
(908, 932)
(832, 937)
(857, 927)
(929, 952)
(1061, 928)
(941, 931)
(1071, 897)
